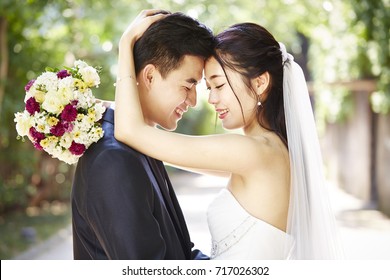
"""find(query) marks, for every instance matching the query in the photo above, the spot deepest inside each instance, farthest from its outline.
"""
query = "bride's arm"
(216, 173)
(231, 153)
(126, 77)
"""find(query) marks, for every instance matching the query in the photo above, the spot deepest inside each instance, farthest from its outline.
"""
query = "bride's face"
(231, 107)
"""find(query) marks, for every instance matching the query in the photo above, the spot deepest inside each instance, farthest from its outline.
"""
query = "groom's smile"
(168, 98)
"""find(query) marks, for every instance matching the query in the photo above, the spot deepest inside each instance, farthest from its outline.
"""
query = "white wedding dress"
(237, 235)
(311, 227)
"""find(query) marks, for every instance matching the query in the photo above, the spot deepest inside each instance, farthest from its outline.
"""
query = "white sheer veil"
(311, 227)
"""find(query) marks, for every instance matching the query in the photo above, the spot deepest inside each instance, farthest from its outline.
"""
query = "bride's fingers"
(142, 22)
(156, 17)
(152, 15)
(139, 25)
(152, 12)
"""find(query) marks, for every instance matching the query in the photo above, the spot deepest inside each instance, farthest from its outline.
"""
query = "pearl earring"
(259, 102)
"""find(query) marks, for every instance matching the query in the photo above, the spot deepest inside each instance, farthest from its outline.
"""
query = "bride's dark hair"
(251, 50)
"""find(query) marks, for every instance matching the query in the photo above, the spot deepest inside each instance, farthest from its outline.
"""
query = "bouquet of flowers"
(61, 114)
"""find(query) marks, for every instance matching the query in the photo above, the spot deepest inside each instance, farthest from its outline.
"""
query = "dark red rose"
(37, 136)
(32, 106)
(29, 85)
(77, 149)
(58, 130)
(38, 146)
(68, 126)
(69, 114)
(63, 74)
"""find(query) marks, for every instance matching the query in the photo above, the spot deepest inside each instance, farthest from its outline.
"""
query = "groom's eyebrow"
(192, 81)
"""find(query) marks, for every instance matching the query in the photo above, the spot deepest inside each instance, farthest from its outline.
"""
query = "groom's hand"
(105, 103)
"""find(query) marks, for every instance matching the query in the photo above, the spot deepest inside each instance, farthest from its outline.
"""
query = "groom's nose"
(191, 98)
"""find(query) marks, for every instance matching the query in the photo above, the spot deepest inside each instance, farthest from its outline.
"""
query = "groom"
(123, 203)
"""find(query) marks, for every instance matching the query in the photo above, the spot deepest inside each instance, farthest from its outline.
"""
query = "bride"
(275, 203)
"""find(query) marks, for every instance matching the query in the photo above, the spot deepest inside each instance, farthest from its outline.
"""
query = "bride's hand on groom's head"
(140, 24)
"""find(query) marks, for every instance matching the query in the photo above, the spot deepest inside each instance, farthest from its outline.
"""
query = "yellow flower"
(80, 85)
(53, 139)
(41, 127)
(91, 115)
(91, 119)
(52, 121)
(80, 117)
(44, 143)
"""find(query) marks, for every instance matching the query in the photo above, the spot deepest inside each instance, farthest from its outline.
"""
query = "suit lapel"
(165, 187)
(170, 200)
(176, 205)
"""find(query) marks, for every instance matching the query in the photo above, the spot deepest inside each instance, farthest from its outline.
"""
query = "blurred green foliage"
(333, 41)
(373, 17)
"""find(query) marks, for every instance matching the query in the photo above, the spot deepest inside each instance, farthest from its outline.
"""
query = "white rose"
(67, 82)
(65, 95)
(66, 140)
(52, 103)
(48, 80)
(89, 98)
(90, 76)
(23, 123)
(67, 157)
(99, 110)
(81, 98)
(80, 64)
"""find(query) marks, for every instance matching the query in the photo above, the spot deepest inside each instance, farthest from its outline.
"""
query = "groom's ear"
(148, 75)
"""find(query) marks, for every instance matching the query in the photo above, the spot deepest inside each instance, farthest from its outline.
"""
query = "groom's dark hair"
(165, 43)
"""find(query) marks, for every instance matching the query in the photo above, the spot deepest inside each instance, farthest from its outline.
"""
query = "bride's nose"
(213, 98)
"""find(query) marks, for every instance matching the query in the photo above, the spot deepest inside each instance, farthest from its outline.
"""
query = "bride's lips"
(222, 113)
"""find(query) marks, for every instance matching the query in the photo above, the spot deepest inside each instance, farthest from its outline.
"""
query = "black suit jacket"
(124, 206)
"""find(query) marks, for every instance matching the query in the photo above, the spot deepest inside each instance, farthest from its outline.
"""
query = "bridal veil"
(311, 227)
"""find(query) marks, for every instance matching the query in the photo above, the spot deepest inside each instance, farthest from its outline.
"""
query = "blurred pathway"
(364, 232)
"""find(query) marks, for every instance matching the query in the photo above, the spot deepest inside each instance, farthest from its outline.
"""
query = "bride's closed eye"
(217, 87)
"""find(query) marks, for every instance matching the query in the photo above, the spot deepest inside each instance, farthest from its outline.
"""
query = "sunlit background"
(343, 47)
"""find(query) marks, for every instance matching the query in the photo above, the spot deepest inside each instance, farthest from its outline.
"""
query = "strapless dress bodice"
(238, 235)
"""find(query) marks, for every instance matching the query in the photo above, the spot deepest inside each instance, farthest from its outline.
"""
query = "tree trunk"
(3, 59)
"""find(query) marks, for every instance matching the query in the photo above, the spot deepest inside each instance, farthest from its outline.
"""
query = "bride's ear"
(148, 75)
(261, 84)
